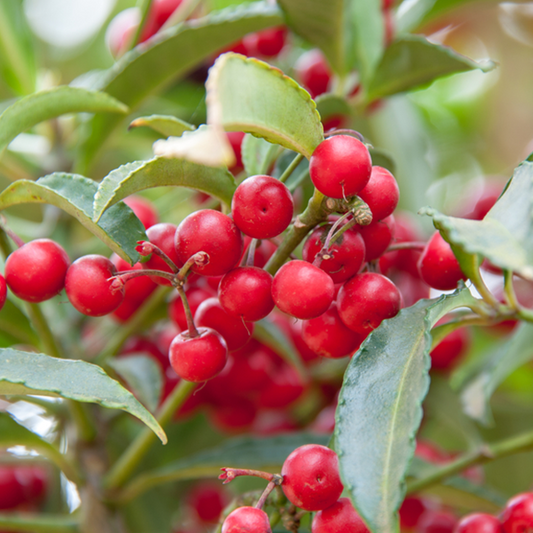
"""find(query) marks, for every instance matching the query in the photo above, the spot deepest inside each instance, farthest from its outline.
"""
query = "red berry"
(340, 166)
(436, 522)
(88, 286)
(121, 31)
(137, 289)
(479, 523)
(311, 477)
(381, 193)
(366, 300)
(144, 210)
(199, 358)
(160, 12)
(341, 517)
(195, 297)
(246, 520)
(438, 266)
(3, 291)
(283, 388)
(329, 337)
(11, 491)
(517, 517)
(215, 234)
(262, 207)
(235, 138)
(411, 510)
(233, 416)
(450, 349)
(208, 501)
(302, 290)
(313, 72)
(36, 271)
(265, 43)
(247, 292)
(163, 236)
(377, 237)
(235, 331)
(345, 256)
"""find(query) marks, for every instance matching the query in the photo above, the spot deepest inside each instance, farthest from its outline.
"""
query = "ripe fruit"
(341, 517)
(36, 271)
(366, 300)
(137, 289)
(438, 266)
(283, 388)
(450, 349)
(160, 12)
(198, 358)
(88, 286)
(144, 210)
(302, 290)
(377, 237)
(235, 138)
(121, 30)
(265, 43)
(340, 166)
(313, 72)
(479, 523)
(195, 296)
(162, 235)
(436, 522)
(208, 501)
(246, 520)
(517, 517)
(247, 292)
(381, 193)
(3, 291)
(11, 492)
(211, 232)
(262, 207)
(346, 254)
(311, 477)
(329, 337)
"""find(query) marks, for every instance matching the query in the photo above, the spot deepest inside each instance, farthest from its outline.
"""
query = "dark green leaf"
(505, 235)
(169, 55)
(258, 155)
(118, 228)
(159, 172)
(381, 158)
(143, 374)
(497, 366)
(14, 434)
(166, 125)
(412, 62)
(14, 322)
(266, 454)
(42, 375)
(17, 57)
(245, 94)
(380, 410)
(44, 105)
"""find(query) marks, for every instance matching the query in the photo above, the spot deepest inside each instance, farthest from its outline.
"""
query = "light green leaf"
(380, 410)
(505, 235)
(143, 374)
(267, 454)
(245, 94)
(412, 62)
(166, 125)
(382, 158)
(119, 228)
(410, 14)
(14, 434)
(42, 375)
(159, 172)
(497, 366)
(149, 67)
(258, 155)
(44, 105)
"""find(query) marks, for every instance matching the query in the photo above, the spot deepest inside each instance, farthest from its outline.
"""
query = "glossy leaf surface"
(251, 96)
(119, 228)
(380, 409)
(40, 374)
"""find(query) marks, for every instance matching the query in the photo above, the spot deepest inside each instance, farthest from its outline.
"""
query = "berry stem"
(266, 493)
(39, 523)
(291, 168)
(14, 237)
(145, 248)
(124, 467)
(191, 328)
(510, 295)
(484, 454)
(315, 213)
(409, 245)
(251, 253)
(352, 133)
(199, 258)
(229, 474)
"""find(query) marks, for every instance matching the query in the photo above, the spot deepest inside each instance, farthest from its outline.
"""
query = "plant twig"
(39, 523)
(291, 168)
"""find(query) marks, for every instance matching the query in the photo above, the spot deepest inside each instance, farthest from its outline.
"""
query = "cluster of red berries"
(310, 481)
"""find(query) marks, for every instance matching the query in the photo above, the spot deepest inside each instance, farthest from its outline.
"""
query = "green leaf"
(149, 67)
(14, 322)
(159, 172)
(382, 158)
(330, 105)
(17, 57)
(44, 105)
(266, 454)
(497, 366)
(410, 14)
(166, 125)
(245, 94)
(42, 375)
(505, 235)
(119, 228)
(258, 155)
(143, 374)
(270, 334)
(380, 410)
(14, 434)
(412, 62)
